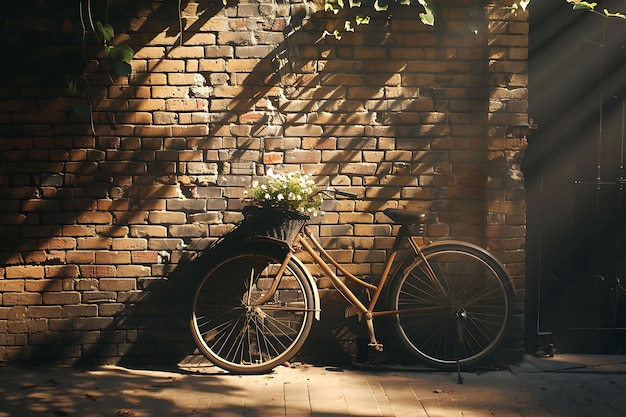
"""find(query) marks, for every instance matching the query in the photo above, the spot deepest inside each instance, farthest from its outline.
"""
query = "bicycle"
(451, 301)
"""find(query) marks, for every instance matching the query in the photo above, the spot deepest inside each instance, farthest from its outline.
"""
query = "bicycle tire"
(467, 319)
(243, 338)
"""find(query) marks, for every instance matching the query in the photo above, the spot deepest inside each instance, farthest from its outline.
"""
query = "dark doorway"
(576, 246)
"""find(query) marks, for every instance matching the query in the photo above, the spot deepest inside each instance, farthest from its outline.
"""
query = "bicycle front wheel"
(455, 306)
(237, 332)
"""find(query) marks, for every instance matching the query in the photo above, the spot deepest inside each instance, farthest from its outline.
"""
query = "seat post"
(402, 234)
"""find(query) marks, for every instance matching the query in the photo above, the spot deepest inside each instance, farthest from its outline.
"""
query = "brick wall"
(100, 221)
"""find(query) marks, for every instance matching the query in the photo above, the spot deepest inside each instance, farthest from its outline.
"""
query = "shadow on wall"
(84, 283)
(109, 256)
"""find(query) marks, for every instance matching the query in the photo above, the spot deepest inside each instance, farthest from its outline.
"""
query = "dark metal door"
(576, 183)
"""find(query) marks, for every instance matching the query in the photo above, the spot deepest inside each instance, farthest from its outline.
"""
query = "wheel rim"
(466, 319)
(237, 333)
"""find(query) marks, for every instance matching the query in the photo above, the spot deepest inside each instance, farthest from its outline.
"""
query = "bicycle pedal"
(377, 346)
(353, 311)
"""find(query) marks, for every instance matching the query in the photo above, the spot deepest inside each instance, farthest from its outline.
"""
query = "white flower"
(285, 191)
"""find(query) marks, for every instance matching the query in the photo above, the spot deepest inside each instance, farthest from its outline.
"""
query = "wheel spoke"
(467, 319)
(238, 326)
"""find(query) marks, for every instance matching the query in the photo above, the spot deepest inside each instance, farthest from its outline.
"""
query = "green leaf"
(582, 5)
(122, 53)
(331, 7)
(381, 7)
(427, 18)
(120, 69)
(106, 31)
(78, 85)
(609, 14)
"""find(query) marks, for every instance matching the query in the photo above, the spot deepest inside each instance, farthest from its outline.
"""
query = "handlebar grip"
(345, 193)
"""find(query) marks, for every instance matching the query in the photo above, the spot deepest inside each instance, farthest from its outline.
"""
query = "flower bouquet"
(285, 191)
(280, 204)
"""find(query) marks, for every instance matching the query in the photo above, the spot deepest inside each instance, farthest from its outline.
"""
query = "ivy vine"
(120, 56)
(366, 8)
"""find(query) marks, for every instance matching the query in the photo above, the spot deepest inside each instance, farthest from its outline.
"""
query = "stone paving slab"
(531, 389)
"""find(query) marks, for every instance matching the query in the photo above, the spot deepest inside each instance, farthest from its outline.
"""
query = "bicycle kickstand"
(459, 343)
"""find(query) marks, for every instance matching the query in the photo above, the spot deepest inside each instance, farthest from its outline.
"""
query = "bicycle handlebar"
(344, 193)
(333, 193)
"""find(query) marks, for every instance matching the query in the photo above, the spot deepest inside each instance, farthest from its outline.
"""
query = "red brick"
(97, 271)
(145, 257)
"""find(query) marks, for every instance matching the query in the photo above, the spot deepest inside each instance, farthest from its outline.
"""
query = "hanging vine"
(120, 56)
(367, 8)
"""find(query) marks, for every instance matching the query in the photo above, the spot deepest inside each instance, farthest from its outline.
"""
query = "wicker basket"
(279, 224)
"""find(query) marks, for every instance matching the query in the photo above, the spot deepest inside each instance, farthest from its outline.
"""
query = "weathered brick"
(66, 297)
(21, 272)
(167, 217)
(61, 271)
(132, 270)
(21, 299)
(129, 244)
(147, 231)
(93, 243)
(92, 323)
(95, 217)
(97, 271)
(117, 284)
(103, 216)
(80, 310)
(45, 312)
(11, 286)
(188, 230)
(112, 257)
(165, 244)
(48, 284)
(80, 257)
(144, 257)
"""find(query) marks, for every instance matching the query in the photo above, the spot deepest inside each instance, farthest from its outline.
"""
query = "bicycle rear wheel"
(237, 333)
(462, 314)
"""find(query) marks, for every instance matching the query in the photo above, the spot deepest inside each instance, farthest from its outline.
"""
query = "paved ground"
(566, 385)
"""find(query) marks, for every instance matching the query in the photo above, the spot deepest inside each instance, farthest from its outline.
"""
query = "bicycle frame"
(322, 258)
(440, 292)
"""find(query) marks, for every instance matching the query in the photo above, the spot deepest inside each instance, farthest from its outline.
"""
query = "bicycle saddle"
(406, 217)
